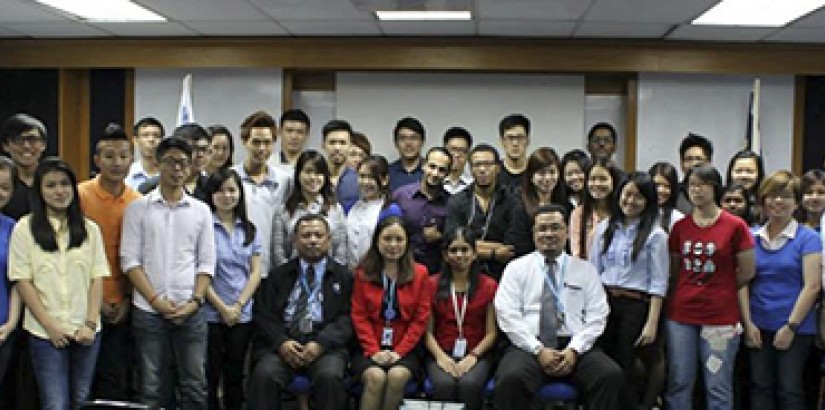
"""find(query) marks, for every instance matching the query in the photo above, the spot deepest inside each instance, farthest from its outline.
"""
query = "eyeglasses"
(170, 162)
(31, 139)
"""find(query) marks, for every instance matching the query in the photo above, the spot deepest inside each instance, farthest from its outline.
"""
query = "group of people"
(169, 269)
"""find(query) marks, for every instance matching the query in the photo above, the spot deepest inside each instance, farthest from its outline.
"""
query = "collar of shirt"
(440, 193)
(270, 178)
(155, 197)
(398, 165)
(218, 224)
(319, 266)
(137, 170)
(787, 234)
(105, 195)
(58, 225)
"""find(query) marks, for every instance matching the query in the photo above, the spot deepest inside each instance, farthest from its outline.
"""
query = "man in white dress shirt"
(553, 307)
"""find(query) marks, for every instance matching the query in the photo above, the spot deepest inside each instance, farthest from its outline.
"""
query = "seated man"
(302, 323)
(553, 327)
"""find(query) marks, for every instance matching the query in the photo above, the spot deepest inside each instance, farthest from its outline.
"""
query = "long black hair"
(583, 161)
(667, 171)
(443, 290)
(41, 229)
(316, 160)
(647, 219)
(214, 184)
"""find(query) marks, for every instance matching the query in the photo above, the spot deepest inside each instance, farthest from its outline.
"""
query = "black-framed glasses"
(31, 139)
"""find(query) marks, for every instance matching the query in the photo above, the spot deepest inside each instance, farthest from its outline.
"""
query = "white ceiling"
(643, 19)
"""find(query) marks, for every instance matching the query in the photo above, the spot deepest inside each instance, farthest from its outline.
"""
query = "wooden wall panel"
(73, 119)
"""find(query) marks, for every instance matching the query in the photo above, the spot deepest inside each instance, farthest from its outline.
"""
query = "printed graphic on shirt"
(698, 263)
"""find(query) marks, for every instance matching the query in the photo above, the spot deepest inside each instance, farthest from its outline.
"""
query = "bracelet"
(91, 325)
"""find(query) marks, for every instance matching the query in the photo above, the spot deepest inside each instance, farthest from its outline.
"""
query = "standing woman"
(540, 186)
(780, 324)
(813, 199)
(237, 276)
(667, 189)
(57, 258)
(711, 258)
(630, 253)
(597, 204)
(747, 169)
(311, 194)
(461, 332)
(573, 165)
(373, 205)
(391, 302)
(223, 148)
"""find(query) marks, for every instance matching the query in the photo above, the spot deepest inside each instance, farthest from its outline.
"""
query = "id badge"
(460, 348)
(386, 337)
(305, 325)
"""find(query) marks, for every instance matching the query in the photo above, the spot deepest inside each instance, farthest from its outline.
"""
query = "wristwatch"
(200, 300)
(792, 326)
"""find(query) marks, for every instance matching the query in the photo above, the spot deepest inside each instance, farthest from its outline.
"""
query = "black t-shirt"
(20, 201)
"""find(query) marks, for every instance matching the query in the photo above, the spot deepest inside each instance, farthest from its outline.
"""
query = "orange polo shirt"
(107, 211)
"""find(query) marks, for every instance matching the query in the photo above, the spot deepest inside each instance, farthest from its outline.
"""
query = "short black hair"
(309, 218)
(295, 114)
(149, 122)
(336, 125)
(512, 121)
(696, 140)
(550, 209)
(18, 124)
(458, 132)
(192, 132)
(113, 132)
(173, 142)
(602, 126)
(483, 147)
(409, 123)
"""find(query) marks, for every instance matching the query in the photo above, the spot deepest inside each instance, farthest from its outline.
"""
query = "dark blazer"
(271, 300)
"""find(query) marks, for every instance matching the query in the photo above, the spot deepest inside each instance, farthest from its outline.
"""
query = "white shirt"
(361, 222)
(464, 181)
(780, 240)
(173, 243)
(518, 302)
(137, 175)
(262, 200)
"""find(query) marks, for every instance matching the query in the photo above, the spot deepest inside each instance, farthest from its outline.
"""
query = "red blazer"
(414, 302)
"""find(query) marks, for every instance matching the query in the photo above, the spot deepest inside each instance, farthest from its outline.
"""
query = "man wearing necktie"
(553, 327)
(302, 322)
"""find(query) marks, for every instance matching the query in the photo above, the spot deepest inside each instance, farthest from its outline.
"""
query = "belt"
(627, 293)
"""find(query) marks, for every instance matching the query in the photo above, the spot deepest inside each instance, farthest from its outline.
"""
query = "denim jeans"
(776, 375)
(715, 350)
(159, 341)
(64, 375)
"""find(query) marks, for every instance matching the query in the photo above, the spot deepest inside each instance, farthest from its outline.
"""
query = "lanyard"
(459, 314)
(389, 296)
(312, 294)
(490, 209)
(557, 285)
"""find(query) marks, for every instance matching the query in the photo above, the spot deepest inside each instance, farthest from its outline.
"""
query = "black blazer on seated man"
(271, 300)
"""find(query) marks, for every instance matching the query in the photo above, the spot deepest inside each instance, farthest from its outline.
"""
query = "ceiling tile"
(428, 28)
(236, 28)
(332, 28)
(57, 29)
(531, 9)
(623, 30)
(801, 35)
(312, 10)
(146, 29)
(719, 33)
(15, 10)
(525, 28)
(813, 20)
(205, 10)
(648, 11)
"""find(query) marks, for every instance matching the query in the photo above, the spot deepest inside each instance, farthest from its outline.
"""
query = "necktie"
(302, 305)
(548, 318)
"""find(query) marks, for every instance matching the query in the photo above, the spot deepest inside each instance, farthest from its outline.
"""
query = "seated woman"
(391, 302)
(461, 333)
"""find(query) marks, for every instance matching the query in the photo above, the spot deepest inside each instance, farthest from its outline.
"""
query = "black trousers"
(115, 362)
(272, 374)
(624, 325)
(226, 356)
(599, 380)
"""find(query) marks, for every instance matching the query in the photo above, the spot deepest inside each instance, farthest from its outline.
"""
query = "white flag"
(753, 136)
(186, 114)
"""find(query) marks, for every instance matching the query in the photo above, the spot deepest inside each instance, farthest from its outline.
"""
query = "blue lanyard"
(312, 294)
(556, 286)
(389, 292)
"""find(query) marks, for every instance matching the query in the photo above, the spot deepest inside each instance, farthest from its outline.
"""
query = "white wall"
(716, 106)
(374, 101)
(220, 96)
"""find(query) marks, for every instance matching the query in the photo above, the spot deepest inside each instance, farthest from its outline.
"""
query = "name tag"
(460, 348)
(386, 338)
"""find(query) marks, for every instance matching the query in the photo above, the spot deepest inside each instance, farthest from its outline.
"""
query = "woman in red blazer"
(390, 307)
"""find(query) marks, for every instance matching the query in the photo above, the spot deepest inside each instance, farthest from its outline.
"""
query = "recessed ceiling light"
(105, 10)
(757, 13)
(424, 15)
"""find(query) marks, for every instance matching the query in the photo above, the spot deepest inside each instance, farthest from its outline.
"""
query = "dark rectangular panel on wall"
(814, 151)
(34, 92)
(107, 88)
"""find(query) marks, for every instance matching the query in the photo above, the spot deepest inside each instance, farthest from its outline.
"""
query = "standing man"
(24, 138)
(514, 132)
(302, 317)
(487, 207)
(458, 142)
(168, 252)
(424, 206)
(294, 131)
(337, 140)
(409, 136)
(553, 307)
(694, 151)
(201, 142)
(601, 141)
(147, 135)
(265, 187)
(104, 200)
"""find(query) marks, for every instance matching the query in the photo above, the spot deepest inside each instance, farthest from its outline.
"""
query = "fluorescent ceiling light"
(758, 13)
(105, 10)
(424, 15)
